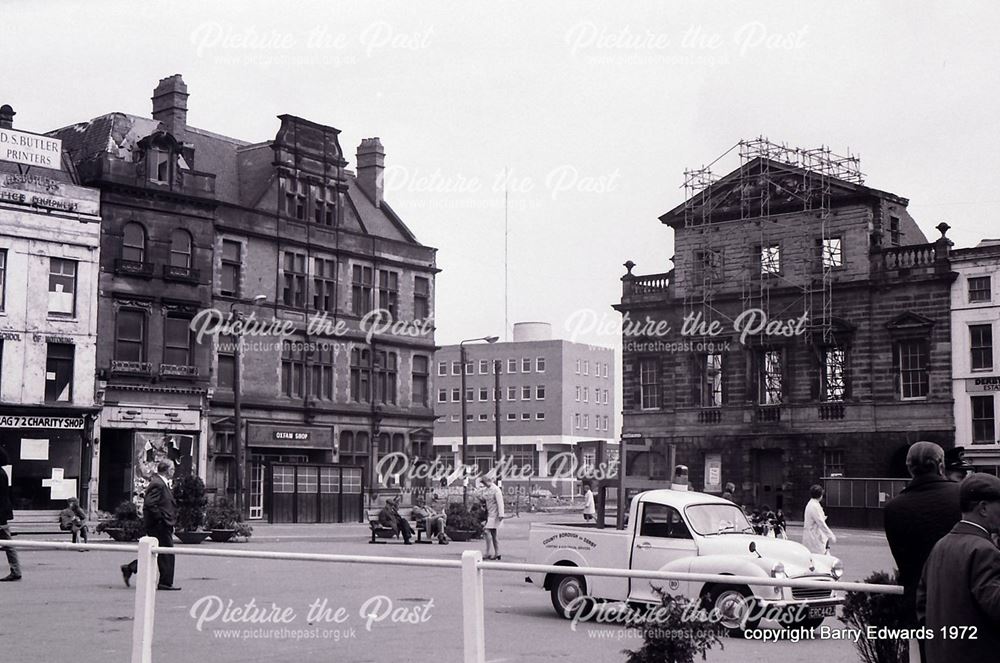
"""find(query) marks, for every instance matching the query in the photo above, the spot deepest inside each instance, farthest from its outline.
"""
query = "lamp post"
(241, 459)
(465, 423)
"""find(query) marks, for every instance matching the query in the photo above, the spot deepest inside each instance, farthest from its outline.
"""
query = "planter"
(115, 533)
(192, 537)
(461, 534)
(222, 535)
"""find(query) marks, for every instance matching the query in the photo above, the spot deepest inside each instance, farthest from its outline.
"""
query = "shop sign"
(139, 417)
(30, 149)
(64, 423)
(977, 385)
(284, 436)
(47, 193)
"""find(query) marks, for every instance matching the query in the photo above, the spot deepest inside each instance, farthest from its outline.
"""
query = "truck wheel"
(733, 607)
(566, 592)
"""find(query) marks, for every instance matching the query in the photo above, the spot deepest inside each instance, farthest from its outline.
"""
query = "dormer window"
(159, 166)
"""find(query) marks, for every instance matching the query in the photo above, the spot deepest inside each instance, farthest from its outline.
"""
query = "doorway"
(769, 477)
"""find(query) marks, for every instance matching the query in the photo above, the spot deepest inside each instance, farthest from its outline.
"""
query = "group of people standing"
(942, 530)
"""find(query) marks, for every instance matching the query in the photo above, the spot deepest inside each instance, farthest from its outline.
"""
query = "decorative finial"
(629, 265)
(944, 228)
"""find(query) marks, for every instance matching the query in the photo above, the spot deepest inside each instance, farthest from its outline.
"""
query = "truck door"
(661, 537)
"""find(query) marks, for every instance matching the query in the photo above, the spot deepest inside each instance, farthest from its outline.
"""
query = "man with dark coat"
(919, 516)
(6, 515)
(960, 586)
(158, 514)
(389, 517)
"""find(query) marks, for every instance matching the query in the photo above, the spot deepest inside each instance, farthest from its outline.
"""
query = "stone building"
(158, 202)
(808, 332)
(49, 245)
(334, 291)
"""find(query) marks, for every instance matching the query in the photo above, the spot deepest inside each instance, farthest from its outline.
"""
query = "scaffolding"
(762, 187)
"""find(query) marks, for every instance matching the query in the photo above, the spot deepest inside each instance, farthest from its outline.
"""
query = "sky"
(584, 115)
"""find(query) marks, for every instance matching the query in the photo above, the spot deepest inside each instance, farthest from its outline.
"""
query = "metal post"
(241, 460)
(465, 431)
(145, 602)
(473, 608)
(496, 408)
(622, 454)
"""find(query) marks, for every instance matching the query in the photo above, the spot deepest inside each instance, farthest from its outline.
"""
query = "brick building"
(49, 244)
(858, 368)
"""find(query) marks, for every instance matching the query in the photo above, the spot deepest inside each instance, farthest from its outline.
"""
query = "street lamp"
(241, 459)
(465, 423)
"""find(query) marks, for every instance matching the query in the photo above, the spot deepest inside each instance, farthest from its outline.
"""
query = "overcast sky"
(596, 108)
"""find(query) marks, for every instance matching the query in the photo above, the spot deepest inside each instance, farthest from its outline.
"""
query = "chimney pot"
(371, 166)
(6, 117)
(170, 103)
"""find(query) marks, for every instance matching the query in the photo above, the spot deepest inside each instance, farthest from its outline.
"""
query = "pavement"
(74, 606)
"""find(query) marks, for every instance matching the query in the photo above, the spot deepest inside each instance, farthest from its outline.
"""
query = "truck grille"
(801, 593)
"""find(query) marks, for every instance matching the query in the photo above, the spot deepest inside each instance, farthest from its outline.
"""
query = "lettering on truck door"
(661, 537)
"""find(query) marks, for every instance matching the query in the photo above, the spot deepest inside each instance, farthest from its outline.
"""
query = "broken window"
(834, 374)
(62, 286)
(832, 252)
(771, 382)
(711, 383)
(707, 265)
(59, 372)
(770, 259)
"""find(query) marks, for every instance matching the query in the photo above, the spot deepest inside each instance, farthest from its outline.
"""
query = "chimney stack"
(170, 103)
(371, 164)
(7, 117)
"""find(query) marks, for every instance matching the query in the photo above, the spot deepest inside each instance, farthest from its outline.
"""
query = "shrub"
(126, 519)
(863, 609)
(189, 495)
(462, 518)
(222, 514)
(672, 636)
(243, 530)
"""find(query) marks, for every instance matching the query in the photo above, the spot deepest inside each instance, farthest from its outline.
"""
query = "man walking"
(158, 515)
(959, 592)
(6, 515)
(919, 516)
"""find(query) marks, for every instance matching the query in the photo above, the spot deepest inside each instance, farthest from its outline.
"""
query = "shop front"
(295, 476)
(49, 458)
(134, 439)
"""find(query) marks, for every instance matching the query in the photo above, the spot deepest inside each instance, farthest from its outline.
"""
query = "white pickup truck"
(687, 532)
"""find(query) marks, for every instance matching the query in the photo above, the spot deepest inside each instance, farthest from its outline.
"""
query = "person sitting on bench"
(430, 519)
(73, 519)
(389, 518)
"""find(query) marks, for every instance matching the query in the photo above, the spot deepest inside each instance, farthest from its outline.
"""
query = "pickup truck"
(685, 531)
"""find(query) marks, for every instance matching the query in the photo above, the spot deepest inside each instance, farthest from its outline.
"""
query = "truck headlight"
(778, 570)
(837, 570)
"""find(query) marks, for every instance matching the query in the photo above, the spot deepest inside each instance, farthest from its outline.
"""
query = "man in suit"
(960, 586)
(919, 516)
(158, 515)
(6, 515)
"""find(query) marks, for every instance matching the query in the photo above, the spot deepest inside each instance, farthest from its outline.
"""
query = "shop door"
(310, 493)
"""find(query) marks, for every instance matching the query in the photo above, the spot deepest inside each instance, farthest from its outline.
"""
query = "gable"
(764, 187)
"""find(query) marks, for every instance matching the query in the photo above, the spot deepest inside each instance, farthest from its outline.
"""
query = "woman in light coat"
(493, 497)
(816, 534)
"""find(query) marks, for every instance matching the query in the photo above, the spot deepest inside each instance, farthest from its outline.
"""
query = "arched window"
(134, 242)
(180, 248)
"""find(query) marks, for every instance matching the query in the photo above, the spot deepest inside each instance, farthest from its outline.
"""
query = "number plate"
(822, 611)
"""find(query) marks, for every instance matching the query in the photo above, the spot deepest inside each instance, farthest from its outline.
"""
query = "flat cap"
(921, 453)
(978, 486)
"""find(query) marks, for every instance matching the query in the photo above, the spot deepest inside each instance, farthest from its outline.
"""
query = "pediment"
(909, 322)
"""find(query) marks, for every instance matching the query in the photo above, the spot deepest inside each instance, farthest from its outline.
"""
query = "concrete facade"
(554, 395)
(975, 322)
(49, 248)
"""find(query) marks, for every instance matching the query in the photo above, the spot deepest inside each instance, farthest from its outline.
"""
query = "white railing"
(472, 567)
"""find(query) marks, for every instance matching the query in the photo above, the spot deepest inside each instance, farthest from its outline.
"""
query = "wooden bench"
(380, 532)
(35, 522)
